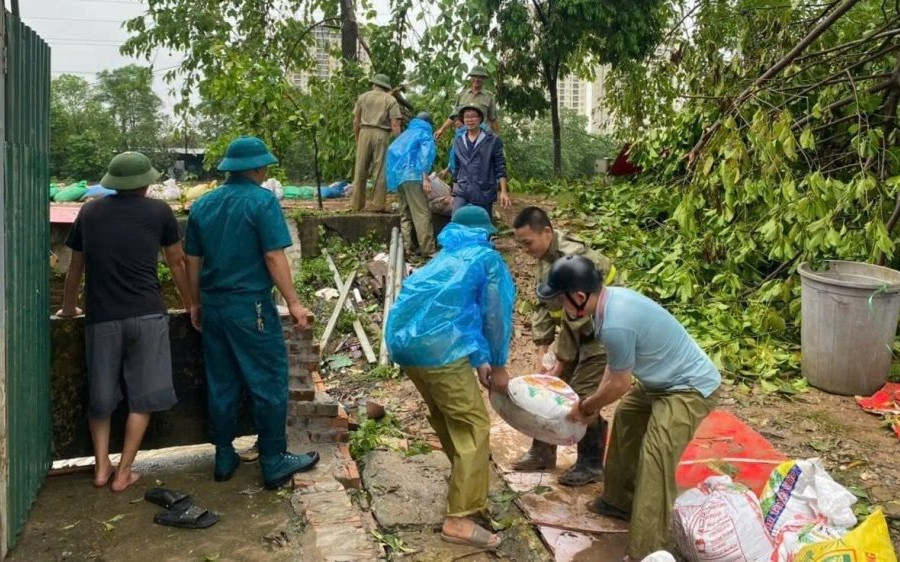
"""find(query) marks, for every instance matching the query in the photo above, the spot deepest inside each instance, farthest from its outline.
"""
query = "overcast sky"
(85, 36)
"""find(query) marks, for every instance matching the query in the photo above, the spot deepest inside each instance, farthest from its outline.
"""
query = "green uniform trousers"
(650, 431)
(460, 419)
(371, 148)
(416, 214)
(584, 374)
(243, 345)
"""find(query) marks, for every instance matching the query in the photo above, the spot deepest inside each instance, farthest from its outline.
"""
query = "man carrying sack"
(409, 161)
(674, 391)
(453, 316)
(235, 243)
(375, 116)
(580, 357)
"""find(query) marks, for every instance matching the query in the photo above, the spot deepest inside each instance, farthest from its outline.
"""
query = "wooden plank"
(388, 295)
(332, 322)
(357, 325)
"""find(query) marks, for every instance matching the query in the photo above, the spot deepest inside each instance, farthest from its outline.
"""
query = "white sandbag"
(803, 505)
(537, 405)
(275, 187)
(659, 556)
(720, 521)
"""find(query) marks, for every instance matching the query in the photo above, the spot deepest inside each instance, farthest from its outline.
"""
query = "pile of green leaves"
(738, 189)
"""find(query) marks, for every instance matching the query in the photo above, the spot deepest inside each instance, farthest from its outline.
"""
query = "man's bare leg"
(134, 434)
(103, 469)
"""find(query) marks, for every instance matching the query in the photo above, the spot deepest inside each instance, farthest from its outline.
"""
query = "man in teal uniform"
(235, 243)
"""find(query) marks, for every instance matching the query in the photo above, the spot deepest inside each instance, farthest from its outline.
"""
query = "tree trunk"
(551, 74)
(349, 31)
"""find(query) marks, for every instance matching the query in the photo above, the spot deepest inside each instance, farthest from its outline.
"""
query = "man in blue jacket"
(452, 316)
(481, 164)
(409, 161)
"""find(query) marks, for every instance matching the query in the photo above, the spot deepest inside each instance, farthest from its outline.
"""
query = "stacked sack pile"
(803, 515)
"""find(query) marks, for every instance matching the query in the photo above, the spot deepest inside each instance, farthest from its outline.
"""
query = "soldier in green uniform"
(580, 357)
(476, 95)
(375, 116)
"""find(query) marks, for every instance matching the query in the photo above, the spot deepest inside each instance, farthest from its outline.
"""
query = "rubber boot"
(588, 467)
(227, 463)
(277, 469)
(540, 457)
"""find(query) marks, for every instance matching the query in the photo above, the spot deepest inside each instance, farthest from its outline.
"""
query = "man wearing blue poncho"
(452, 316)
(409, 160)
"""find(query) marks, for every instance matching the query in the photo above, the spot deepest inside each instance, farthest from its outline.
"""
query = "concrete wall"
(185, 424)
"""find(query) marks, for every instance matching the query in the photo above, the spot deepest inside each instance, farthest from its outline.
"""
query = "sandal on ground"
(600, 507)
(194, 517)
(170, 499)
(479, 538)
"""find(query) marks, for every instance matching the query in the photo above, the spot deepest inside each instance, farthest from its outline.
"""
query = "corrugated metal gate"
(25, 410)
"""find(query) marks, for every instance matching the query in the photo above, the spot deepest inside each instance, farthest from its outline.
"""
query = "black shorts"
(134, 352)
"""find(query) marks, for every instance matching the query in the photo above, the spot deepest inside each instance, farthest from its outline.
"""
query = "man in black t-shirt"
(115, 242)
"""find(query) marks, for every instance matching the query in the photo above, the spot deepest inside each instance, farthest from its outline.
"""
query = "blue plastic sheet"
(335, 190)
(459, 305)
(410, 155)
(95, 191)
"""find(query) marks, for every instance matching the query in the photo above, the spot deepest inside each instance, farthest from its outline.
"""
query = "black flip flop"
(172, 500)
(194, 517)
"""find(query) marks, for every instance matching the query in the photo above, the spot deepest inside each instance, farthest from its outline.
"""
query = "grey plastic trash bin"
(849, 319)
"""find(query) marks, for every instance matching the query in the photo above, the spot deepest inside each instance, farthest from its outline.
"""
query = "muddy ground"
(855, 448)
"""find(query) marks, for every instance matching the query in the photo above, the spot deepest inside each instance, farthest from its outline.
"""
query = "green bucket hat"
(381, 80)
(129, 171)
(474, 216)
(479, 71)
(456, 112)
(477, 107)
(246, 153)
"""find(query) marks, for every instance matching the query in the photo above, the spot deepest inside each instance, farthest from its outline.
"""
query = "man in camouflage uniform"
(475, 95)
(375, 116)
(580, 357)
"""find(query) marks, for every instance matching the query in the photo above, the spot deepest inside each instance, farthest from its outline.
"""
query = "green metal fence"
(25, 259)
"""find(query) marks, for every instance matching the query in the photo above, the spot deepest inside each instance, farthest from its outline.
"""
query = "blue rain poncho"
(410, 155)
(459, 305)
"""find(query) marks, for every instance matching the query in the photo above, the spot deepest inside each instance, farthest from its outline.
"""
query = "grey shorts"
(132, 353)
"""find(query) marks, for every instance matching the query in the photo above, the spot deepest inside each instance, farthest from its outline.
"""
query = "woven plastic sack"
(537, 405)
(803, 505)
(410, 155)
(199, 191)
(720, 521)
(870, 542)
(275, 187)
(303, 192)
(71, 193)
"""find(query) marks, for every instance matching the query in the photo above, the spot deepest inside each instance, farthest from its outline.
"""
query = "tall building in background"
(587, 99)
(327, 44)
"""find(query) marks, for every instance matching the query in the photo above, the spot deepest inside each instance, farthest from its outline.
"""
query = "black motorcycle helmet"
(570, 274)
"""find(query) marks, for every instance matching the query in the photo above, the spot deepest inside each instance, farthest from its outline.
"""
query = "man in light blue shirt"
(657, 417)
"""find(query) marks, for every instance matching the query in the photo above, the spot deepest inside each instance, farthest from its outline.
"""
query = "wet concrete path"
(72, 520)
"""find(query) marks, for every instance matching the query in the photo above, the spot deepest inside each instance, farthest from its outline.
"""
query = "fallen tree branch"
(774, 70)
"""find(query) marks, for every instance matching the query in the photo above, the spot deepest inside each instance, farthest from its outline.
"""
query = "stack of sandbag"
(537, 405)
(802, 516)
(71, 193)
(301, 192)
(720, 521)
(168, 190)
(803, 505)
(199, 190)
(275, 187)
